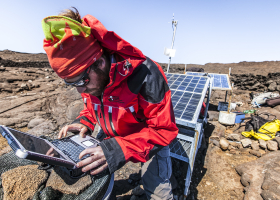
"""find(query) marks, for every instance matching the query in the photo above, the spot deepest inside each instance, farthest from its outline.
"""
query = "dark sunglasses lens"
(82, 82)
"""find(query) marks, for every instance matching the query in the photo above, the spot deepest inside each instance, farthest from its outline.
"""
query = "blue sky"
(208, 31)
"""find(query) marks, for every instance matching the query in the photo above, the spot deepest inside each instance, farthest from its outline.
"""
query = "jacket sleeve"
(156, 105)
(85, 118)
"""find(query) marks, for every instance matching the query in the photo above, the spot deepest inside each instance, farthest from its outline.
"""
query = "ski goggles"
(83, 81)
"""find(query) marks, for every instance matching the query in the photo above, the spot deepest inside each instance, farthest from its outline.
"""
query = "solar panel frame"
(217, 83)
(188, 93)
(185, 146)
(181, 147)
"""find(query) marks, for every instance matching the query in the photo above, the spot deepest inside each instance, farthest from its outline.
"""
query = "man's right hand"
(73, 127)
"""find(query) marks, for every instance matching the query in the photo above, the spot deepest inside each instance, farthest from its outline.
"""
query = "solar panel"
(188, 93)
(220, 81)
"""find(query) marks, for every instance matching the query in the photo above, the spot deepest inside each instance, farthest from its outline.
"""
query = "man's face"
(99, 79)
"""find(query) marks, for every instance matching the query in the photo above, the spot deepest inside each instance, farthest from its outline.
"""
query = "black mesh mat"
(96, 191)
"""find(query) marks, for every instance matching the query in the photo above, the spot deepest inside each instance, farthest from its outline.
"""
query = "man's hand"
(96, 162)
(73, 127)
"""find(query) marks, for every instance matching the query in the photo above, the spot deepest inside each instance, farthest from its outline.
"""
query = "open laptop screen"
(35, 144)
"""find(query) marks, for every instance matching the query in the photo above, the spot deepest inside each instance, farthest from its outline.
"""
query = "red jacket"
(135, 110)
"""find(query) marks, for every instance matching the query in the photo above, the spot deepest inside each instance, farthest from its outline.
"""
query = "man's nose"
(81, 89)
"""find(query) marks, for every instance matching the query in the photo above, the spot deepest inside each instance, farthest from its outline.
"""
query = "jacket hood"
(124, 52)
(111, 41)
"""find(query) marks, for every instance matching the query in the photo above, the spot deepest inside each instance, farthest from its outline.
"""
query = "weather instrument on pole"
(171, 52)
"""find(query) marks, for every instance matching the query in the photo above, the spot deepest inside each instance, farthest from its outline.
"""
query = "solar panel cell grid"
(186, 93)
(220, 81)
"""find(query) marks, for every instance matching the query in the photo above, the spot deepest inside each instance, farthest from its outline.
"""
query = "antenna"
(171, 52)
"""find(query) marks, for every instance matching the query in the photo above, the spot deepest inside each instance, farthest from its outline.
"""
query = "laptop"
(62, 152)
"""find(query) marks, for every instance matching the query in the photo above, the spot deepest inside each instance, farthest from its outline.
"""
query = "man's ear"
(102, 64)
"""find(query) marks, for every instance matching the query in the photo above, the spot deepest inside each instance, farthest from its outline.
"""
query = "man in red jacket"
(124, 92)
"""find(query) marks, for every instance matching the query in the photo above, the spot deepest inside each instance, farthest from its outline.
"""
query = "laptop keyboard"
(70, 148)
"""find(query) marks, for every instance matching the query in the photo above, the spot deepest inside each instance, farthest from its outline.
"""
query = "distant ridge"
(21, 57)
(18, 59)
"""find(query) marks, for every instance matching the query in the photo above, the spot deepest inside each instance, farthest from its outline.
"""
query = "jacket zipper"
(102, 109)
(96, 114)
(111, 121)
(102, 105)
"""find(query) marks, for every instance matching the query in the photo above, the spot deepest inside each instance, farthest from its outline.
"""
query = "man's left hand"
(96, 162)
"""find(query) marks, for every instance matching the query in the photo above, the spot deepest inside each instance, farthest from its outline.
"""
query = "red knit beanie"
(70, 46)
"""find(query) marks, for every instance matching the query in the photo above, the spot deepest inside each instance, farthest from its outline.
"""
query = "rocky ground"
(228, 166)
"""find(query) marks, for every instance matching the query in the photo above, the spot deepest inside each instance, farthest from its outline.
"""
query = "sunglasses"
(83, 81)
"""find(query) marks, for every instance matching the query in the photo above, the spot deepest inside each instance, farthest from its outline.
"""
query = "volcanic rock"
(263, 144)
(271, 111)
(236, 145)
(224, 144)
(34, 122)
(62, 182)
(65, 106)
(277, 139)
(24, 86)
(246, 142)
(255, 145)
(44, 128)
(230, 147)
(214, 137)
(234, 137)
(221, 173)
(272, 181)
(213, 115)
(22, 182)
(219, 130)
(255, 153)
(271, 185)
(272, 86)
(272, 145)
(245, 179)
(255, 172)
(216, 143)
(74, 109)
(268, 195)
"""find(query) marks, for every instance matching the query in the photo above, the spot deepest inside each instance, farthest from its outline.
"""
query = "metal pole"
(226, 97)
(174, 32)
